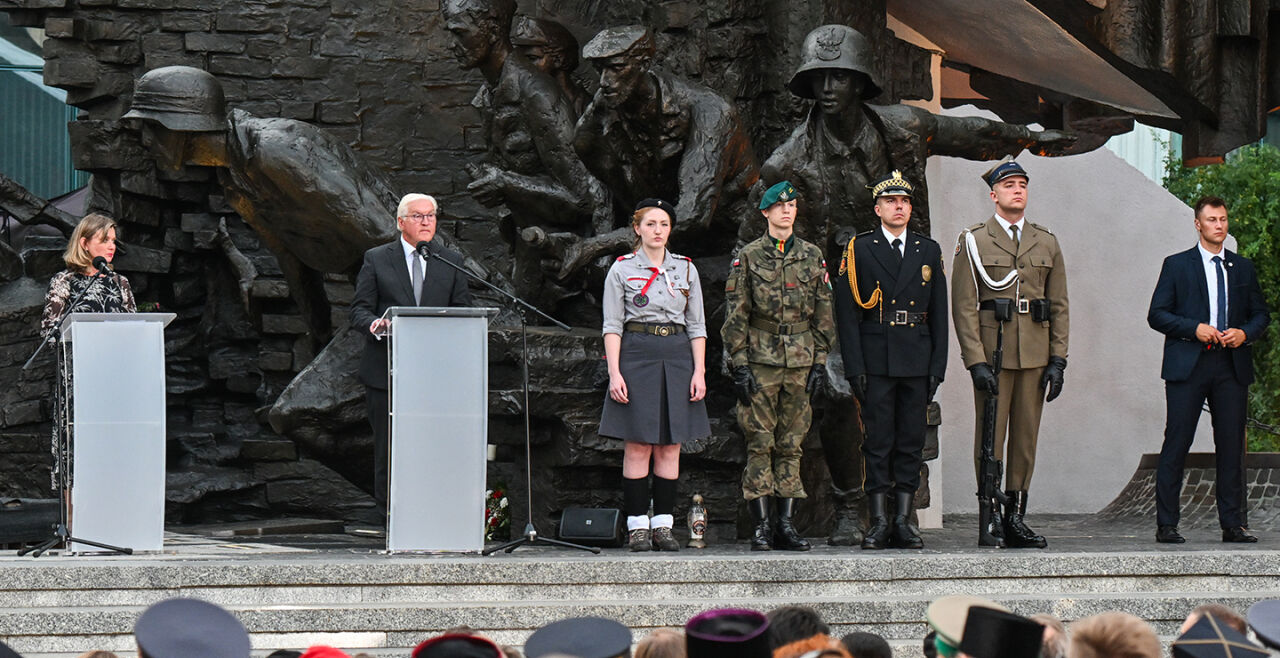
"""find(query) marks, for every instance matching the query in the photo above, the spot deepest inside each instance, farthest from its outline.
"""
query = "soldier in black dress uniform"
(891, 315)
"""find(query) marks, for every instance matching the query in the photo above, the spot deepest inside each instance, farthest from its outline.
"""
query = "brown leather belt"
(655, 328)
(778, 329)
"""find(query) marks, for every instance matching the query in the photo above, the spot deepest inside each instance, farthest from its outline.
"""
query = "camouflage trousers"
(775, 424)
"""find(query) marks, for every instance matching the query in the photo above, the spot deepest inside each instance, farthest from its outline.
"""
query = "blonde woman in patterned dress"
(94, 236)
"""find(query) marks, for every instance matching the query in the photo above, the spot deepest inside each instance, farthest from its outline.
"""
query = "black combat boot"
(786, 538)
(877, 536)
(847, 530)
(902, 534)
(1016, 533)
(760, 540)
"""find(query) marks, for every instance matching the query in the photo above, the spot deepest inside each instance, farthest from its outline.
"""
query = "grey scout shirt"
(675, 296)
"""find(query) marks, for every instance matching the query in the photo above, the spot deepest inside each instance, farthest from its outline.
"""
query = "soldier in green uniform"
(778, 328)
(1009, 260)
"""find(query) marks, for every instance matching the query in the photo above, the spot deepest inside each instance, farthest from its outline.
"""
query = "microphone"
(424, 248)
(101, 264)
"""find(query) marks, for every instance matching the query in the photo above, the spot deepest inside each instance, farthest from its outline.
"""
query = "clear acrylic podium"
(439, 372)
(117, 428)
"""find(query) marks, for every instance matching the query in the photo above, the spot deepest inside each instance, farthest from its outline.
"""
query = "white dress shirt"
(1008, 227)
(409, 254)
(1211, 277)
(902, 239)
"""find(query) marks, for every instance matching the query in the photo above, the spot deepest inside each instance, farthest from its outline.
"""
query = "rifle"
(990, 470)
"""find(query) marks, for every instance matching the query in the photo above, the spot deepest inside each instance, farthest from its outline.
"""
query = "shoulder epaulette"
(626, 256)
(1041, 228)
(977, 226)
(682, 257)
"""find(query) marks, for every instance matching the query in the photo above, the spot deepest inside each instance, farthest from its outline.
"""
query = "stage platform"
(339, 589)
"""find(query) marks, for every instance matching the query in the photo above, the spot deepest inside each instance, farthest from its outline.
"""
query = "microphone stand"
(61, 532)
(522, 307)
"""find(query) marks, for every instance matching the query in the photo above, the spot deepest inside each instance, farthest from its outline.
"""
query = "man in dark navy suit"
(1208, 305)
(396, 274)
(891, 314)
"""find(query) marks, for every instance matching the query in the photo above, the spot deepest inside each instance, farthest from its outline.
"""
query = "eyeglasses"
(420, 218)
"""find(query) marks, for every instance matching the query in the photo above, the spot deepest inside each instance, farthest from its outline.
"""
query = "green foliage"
(1249, 181)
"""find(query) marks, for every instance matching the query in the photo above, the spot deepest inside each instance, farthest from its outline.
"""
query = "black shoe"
(639, 540)
(1238, 535)
(1168, 534)
(663, 540)
(847, 530)
(1016, 532)
(877, 536)
(763, 536)
(901, 534)
(786, 538)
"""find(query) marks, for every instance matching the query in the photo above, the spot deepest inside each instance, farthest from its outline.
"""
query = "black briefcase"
(592, 526)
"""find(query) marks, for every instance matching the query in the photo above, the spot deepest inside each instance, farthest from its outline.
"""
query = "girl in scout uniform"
(655, 339)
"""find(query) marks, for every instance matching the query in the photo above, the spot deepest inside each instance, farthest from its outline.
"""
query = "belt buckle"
(664, 330)
(899, 317)
(1024, 305)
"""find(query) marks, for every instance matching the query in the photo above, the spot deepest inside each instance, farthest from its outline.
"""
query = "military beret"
(584, 637)
(1264, 619)
(991, 633)
(458, 645)
(659, 204)
(7, 652)
(1211, 638)
(727, 633)
(892, 185)
(948, 615)
(614, 41)
(190, 628)
(778, 193)
(1003, 169)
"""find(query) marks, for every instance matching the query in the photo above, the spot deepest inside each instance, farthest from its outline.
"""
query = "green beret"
(778, 193)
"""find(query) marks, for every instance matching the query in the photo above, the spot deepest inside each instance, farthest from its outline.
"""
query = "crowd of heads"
(959, 626)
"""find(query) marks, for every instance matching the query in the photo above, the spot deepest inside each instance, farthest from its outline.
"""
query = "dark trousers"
(376, 403)
(1214, 379)
(895, 422)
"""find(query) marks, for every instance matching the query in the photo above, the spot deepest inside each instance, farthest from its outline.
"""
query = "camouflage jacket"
(778, 307)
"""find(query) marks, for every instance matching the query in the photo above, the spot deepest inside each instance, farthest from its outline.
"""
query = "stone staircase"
(384, 605)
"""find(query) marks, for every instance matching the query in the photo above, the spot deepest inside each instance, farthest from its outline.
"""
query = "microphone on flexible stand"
(102, 266)
(424, 248)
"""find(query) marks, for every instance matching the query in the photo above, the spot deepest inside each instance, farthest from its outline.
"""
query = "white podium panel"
(117, 429)
(439, 369)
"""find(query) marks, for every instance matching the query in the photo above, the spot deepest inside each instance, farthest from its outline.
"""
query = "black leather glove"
(744, 383)
(984, 378)
(858, 383)
(1052, 377)
(816, 381)
(934, 383)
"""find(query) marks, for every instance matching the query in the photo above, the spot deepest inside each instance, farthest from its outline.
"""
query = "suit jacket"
(868, 343)
(1180, 303)
(384, 282)
(1042, 274)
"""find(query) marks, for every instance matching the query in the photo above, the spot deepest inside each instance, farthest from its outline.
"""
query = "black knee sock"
(635, 496)
(664, 495)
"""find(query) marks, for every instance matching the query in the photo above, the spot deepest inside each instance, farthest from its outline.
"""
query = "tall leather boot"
(1016, 532)
(903, 535)
(847, 530)
(786, 538)
(877, 536)
(762, 537)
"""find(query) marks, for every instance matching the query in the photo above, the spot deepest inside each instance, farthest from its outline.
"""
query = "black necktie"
(1222, 294)
(897, 254)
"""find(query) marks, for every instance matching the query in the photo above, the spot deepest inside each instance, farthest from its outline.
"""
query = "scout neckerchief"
(641, 299)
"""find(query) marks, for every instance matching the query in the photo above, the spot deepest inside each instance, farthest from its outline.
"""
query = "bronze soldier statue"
(554, 51)
(778, 329)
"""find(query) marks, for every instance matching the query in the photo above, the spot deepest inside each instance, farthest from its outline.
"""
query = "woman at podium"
(93, 289)
(655, 340)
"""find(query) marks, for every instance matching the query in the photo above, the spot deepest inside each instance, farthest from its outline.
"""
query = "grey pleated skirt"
(657, 370)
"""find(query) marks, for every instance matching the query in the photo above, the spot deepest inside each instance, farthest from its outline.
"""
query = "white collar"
(408, 248)
(1006, 224)
(1207, 256)
(891, 237)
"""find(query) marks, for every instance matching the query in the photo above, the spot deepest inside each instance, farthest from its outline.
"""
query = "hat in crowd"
(1264, 619)
(892, 185)
(322, 651)
(458, 645)
(624, 40)
(777, 194)
(583, 637)
(1003, 169)
(190, 628)
(991, 633)
(727, 633)
(659, 204)
(1209, 637)
(7, 652)
(948, 615)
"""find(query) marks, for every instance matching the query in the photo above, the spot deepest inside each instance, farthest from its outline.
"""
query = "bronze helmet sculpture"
(836, 47)
(180, 98)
